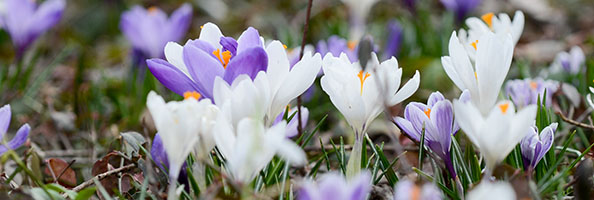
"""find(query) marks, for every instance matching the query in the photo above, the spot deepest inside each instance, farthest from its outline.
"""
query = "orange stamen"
(201, 27)
(475, 76)
(504, 107)
(285, 46)
(474, 44)
(351, 45)
(533, 85)
(415, 193)
(223, 57)
(428, 113)
(488, 18)
(152, 10)
(362, 78)
(192, 94)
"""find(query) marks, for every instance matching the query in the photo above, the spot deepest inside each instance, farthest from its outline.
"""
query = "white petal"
(407, 90)
(212, 34)
(494, 55)
(174, 55)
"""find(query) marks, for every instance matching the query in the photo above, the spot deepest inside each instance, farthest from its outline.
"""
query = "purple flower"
(25, 21)
(292, 125)
(526, 92)
(460, 7)
(571, 61)
(394, 40)
(535, 146)
(407, 190)
(160, 157)
(333, 186)
(437, 118)
(193, 67)
(336, 45)
(21, 135)
(149, 29)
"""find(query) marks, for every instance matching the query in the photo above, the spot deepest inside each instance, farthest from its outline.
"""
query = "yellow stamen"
(362, 78)
(474, 44)
(428, 113)
(351, 45)
(285, 46)
(152, 10)
(504, 107)
(201, 27)
(475, 76)
(226, 56)
(533, 85)
(192, 94)
(488, 18)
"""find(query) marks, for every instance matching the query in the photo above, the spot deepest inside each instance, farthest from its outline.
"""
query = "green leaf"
(86, 193)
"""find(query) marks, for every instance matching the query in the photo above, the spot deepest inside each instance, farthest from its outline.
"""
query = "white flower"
(589, 97)
(484, 80)
(497, 133)
(244, 98)
(249, 147)
(183, 126)
(356, 93)
(486, 190)
(490, 23)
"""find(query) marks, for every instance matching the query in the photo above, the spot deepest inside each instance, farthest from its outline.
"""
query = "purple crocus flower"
(526, 92)
(571, 61)
(25, 21)
(160, 157)
(535, 146)
(407, 190)
(437, 118)
(460, 7)
(192, 68)
(337, 45)
(394, 40)
(334, 186)
(292, 130)
(21, 135)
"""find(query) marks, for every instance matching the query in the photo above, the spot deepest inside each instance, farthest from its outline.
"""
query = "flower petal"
(250, 62)
(172, 78)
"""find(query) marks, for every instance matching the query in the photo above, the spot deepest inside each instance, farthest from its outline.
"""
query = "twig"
(576, 123)
(305, 29)
(101, 176)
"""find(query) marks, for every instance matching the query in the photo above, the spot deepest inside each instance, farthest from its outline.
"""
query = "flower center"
(192, 94)
(428, 113)
(351, 45)
(533, 85)
(223, 57)
(362, 78)
(488, 18)
(152, 10)
(504, 107)
(474, 44)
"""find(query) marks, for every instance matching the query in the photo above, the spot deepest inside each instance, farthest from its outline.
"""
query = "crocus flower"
(460, 7)
(589, 97)
(535, 146)
(484, 79)
(184, 126)
(571, 61)
(490, 23)
(160, 157)
(334, 186)
(394, 40)
(361, 94)
(408, 190)
(336, 45)
(487, 190)
(25, 20)
(358, 11)
(497, 133)
(437, 119)
(249, 146)
(21, 135)
(149, 29)
(526, 92)
(192, 68)
(294, 122)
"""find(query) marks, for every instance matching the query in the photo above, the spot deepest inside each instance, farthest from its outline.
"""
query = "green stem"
(354, 164)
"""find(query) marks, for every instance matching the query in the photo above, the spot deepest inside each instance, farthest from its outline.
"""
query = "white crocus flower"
(484, 79)
(183, 126)
(490, 23)
(244, 98)
(589, 97)
(356, 94)
(497, 133)
(486, 190)
(250, 146)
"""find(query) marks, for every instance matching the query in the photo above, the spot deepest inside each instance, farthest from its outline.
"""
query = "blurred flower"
(334, 186)
(336, 45)
(408, 190)
(249, 146)
(535, 146)
(484, 79)
(437, 119)
(490, 23)
(394, 40)
(460, 7)
(526, 92)
(589, 97)
(24, 20)
(358, 11)
(294, 122)
(486, 190)
(21, 135)
(571, 61)
(497, 133)
(194, 66)
(356, 94)
(184, 126)
(293, 54)
(149, 29)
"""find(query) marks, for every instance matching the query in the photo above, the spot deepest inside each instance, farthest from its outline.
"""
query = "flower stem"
(354, 164)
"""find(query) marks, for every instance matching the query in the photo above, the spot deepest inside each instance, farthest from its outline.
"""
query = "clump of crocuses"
(534, 146)
(436, 121)
(25, 21)
(21, 135)
(529, 91)
(334, 186)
